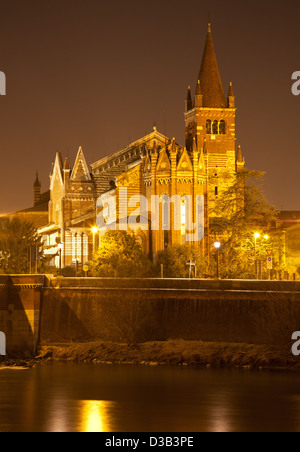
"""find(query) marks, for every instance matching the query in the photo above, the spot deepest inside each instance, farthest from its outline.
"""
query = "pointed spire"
(59, 159)
(240, 159)
(209, 76)
(67, 165)
(199, 95)
(173, 146)
(188, 102)
(231, 98)
(199, 89)
(37, 182)
(230, 92)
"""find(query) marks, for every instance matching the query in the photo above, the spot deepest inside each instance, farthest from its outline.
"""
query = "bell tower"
(210, 120)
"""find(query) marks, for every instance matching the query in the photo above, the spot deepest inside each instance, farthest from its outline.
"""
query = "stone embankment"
(172, 353)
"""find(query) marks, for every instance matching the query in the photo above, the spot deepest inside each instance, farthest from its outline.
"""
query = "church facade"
(153, 167)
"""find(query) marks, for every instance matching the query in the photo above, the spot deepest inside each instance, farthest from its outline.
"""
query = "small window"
(208, 127)
(222, 127)
(216, 191)
(215, 128)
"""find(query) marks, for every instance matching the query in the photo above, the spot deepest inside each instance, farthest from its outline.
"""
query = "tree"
(174, 259)
(120, 255)
(240, 212)
(16, 238)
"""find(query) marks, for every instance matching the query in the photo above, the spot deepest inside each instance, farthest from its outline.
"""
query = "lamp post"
(60, 247)
(217, 246)
(256, 237)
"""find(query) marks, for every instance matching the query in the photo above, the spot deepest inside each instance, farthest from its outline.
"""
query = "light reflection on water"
(96, 416)
(81, 398)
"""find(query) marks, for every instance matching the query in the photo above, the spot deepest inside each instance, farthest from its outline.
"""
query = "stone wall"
(145, 310)
(20, 307)
(137, 310)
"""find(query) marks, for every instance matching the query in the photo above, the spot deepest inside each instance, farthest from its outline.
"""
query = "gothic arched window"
(222, 127)
(215, 128)
(208, 127)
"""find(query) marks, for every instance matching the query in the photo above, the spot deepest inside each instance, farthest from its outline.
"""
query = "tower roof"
(209, 76)
(37, 182)
(189, 95)
(240, 158)
(230, 92)
(199, 89)
(189, 102)
(67, 164)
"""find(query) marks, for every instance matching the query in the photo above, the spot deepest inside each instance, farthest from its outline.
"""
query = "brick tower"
(210, 121)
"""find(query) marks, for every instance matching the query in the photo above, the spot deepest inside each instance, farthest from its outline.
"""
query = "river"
(63, 397)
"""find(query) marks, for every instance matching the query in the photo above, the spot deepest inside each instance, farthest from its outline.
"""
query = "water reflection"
(219, 418)
(58, 419)
(64, 397)
(95, 416)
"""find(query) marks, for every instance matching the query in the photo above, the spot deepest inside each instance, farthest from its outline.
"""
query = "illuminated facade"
(151, 166)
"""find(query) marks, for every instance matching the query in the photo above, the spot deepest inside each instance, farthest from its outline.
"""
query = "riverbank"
(175, 352)
(172, 352)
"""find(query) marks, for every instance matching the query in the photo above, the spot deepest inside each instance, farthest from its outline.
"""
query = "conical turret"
(209, 76)
(199, 95)
(188, 102)
(240, 161)
(231, 98)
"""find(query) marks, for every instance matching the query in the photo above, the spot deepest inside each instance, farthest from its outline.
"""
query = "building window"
(222, 127)
(216, 191)
(208, 127)
(215, 128)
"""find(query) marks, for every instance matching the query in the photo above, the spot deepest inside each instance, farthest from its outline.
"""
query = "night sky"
(100, 74)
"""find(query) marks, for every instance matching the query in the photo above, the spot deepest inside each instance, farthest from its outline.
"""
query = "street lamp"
(256, 237)
(217, 246)
(94, 232)
(60, 247)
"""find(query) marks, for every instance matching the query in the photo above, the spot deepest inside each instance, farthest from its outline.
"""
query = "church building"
(152, 166)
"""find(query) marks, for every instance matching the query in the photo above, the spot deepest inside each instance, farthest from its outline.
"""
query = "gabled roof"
(209, 76)
(80, 171)
(159, 138)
